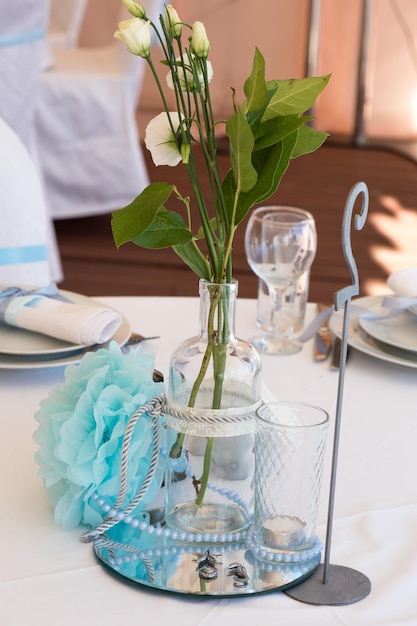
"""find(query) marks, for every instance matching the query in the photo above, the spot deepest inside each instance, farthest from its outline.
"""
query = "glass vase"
(213, 392)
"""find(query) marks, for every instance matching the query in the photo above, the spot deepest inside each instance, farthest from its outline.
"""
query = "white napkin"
(404, 282)
(73, 322)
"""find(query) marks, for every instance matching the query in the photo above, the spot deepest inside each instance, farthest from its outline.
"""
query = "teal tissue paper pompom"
(81, 428)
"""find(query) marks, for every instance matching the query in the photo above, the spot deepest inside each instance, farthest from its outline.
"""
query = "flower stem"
(206, 471)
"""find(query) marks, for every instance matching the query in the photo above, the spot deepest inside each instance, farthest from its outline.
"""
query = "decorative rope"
(154, 410)
(105, 542)
(211, 416)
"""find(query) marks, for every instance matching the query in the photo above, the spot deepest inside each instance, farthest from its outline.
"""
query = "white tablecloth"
(47, 576)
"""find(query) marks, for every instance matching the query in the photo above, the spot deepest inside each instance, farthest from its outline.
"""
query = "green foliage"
(265, 133)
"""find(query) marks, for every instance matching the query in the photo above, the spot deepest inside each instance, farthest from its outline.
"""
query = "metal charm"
(206, 565)
(239, 573)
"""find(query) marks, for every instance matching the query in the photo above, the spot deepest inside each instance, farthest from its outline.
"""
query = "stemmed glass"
(280, 243)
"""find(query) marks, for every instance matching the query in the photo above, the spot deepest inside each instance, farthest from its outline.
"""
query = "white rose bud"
(172, 21)
(134, 8)
(136, 35)
(199, 41)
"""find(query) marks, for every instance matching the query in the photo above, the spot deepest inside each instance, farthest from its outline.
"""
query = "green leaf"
(271, 164)
(200, 234)
(294, 96)
(272, 131)
(308, 140)
(129, 222)
(195, 260)
(241, 146)
(255, 86)
(167, 229)
(255, 117)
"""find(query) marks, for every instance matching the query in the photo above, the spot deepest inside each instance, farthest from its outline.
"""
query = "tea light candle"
(283, 531)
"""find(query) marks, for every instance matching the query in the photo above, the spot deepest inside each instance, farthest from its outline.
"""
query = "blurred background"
(93, 100)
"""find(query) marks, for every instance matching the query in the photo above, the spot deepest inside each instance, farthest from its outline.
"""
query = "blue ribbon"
(9, 293)
(23, 254)
(18, 38)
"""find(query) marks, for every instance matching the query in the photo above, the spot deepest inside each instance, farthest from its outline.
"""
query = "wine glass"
(280, 243)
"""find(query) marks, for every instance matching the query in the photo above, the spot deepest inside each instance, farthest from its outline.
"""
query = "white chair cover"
(24, 229)
(87, 133)
(23, 53)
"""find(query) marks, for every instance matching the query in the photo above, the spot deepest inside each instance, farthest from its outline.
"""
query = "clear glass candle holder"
(289, 454)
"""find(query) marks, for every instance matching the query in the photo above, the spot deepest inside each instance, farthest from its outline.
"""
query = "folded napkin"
(48, 312)
(404, 285)
(404, 282)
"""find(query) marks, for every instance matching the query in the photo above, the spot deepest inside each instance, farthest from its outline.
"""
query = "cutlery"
(135, 339)
(322, 338)
(335, 361)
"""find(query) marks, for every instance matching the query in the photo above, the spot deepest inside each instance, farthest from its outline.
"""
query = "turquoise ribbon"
(23, 254)
(18, 38)
(10, 293)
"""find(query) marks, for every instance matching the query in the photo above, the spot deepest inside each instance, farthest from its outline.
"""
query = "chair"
(22, 56)
(65, 20)
(26, 246)
(86, 127)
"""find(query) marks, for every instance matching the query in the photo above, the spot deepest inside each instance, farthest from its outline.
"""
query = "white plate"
(61, 359)
(361, 341)
(399, 331)
(21, 342)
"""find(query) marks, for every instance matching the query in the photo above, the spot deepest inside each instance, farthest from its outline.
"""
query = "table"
(47, 576)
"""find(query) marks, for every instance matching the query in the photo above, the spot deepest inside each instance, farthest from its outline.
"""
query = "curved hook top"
(341, 296)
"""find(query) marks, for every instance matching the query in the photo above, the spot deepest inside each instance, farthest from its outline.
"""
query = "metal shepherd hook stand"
(336, 584)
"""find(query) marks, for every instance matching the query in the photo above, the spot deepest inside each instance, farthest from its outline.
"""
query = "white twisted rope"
(154, 410)
(211, 416)
(105, 542)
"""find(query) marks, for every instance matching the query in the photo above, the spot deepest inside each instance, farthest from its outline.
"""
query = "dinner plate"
(363, 342)
(20, 342)
(399, 331)
(11, 361)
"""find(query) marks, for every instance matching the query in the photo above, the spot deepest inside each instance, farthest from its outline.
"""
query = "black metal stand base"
(344, 586)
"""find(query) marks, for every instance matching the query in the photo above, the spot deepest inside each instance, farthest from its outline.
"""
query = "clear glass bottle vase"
(213, 391)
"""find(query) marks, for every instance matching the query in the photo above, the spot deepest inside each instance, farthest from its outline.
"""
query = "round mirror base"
(216, 569)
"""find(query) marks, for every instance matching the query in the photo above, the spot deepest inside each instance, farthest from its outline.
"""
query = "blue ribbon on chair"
(10, 293)
(23, 254)
(18, 38)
